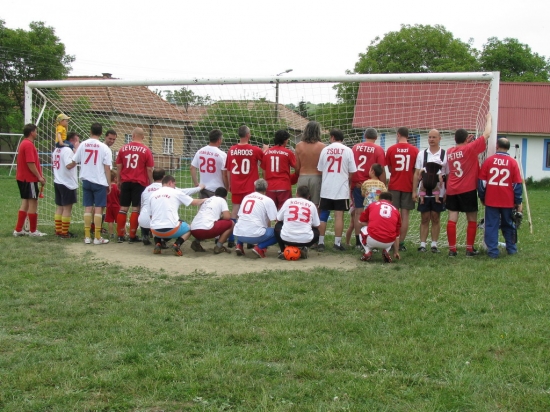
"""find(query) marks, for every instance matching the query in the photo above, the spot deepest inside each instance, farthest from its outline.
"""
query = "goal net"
(177, 115)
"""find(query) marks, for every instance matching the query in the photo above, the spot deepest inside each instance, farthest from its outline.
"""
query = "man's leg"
(424, 228)
(471, 230)
(57, 218)
(435, 217)
(451, 232)
(22, 215)
(492, 222)
(338, 226)
(508, 229)
(234, 218)
(134, 216)
(66, 219)
(404, 225)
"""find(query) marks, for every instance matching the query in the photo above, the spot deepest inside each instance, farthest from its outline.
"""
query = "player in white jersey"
(163, 209)
(210, 162)
(298, 223)
(95, 160)
(337, 165)
(213, 221)
(65, 184)
(256, 212)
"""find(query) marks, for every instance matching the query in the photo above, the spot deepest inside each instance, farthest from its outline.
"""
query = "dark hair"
(110, 131)
(337, 134)
(28, 129)
(370, 134)
(377, 169)
(460, 136)
(158, 174)
(312, 132)
(215, 135)
(503, 143)
(243, 131)
(385, 196)
(96, 129)
(281, 136)
(403, 131)
(167, 179)
(221, 192)
(303, 192)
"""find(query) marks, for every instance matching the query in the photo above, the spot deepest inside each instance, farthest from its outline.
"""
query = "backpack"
(430, 177)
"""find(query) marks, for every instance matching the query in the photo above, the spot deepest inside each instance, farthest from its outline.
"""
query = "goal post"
(177, 114)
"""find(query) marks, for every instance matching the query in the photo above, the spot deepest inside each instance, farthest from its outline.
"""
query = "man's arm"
(197, 202)
(150, 174)
(107, 169)
(34, 171)
(226, 175)
(193, 170)
(488, 127)
(118, 167)
(416, 179)
(226, 215)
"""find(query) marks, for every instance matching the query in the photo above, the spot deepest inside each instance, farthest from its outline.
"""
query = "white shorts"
(370, 243)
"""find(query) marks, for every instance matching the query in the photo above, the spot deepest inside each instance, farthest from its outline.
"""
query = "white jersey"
(336, 162)
(164, 205)
(298, 216)
(61, 157)
(144, 219)
(209, 213)
(93, 155)
(210, 161)
(255, 214)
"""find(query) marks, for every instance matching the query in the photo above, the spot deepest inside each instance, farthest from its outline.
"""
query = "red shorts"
(237, 198)
(279, 196)
(111, 213)
(219, 227)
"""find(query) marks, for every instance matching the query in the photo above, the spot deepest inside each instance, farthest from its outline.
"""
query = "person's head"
(376, 170)
(370, 134)
(138, 135)
(503, 145)
(62, 119)
(434, 138)
(402, 133)
(460, 136)
(221, 192)
(29, 129)
(74, 139)
(281, 138)
(110, 137)
(215, 137)
(113, 176)
(96, 129)
(158, 174)
(303, 192)
(312, 132)
(169, 181)
(244, 132)
(385, 196)
(260, 185)
(336, 135)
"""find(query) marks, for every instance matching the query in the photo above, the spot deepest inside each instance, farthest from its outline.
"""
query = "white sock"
(337, 240)
(321, 240)
(434, 244)
(422, 244)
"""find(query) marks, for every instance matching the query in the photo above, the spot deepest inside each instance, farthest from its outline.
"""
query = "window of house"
(127, 138)
(382, 138)
(168, 145)
(546, 165)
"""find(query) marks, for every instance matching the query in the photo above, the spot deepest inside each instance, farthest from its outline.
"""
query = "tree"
(515, 61)
(37, 54)
(186, 97)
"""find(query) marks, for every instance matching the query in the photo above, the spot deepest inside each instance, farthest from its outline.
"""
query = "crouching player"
(381, 226)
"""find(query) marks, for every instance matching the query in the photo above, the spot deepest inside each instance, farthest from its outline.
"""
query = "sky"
(166, 39)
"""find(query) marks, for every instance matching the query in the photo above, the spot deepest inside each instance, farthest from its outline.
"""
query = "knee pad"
(324, 215)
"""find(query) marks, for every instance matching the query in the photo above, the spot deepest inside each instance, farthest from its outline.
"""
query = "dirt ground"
(138, 255)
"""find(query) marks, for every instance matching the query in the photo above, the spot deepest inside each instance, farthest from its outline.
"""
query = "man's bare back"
(307, 157)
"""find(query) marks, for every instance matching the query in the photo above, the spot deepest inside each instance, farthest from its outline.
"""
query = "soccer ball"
(292, 253)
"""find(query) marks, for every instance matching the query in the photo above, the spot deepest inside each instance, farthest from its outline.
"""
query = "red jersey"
(132, 161)
(500, 171)
(463, 166)
(384, 221)
(113, 198)
(276, 164)
(365, 155)
(242, 164)
(27, 153)
(401, 158)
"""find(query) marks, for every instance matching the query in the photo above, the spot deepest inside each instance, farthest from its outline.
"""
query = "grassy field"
(425, 334)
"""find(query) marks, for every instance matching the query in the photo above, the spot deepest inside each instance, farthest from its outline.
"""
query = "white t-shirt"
(210, 161)
(164, 205)
(93, 155)
(144, 219)
(432, 158)
(298, 216)
(255, 214)
(336, 163)
(209, 212)
(61, 157)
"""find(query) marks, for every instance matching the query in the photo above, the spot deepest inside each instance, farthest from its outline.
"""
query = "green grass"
(425, 334)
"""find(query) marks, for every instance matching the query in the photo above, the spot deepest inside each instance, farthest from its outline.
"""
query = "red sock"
(451, 234)
(33, 221)
(134, 223)
(121, 223)
(471, 235)
(21, 216)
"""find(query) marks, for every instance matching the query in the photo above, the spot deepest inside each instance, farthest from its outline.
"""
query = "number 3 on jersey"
(403, 163)
(301, 214)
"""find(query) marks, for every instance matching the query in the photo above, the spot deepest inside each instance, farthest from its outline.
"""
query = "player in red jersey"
(276, 164)
(400, 159)
(500, 191)
(365, 155)
(134, 173)
(242, 171)
(381, 228)
(462, 174)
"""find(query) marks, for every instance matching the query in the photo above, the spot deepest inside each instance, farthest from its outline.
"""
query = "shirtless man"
(307, 158)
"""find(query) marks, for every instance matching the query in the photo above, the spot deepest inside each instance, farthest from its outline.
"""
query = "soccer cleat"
(157, 250)
(259, 252)
(239, 250)
(146, 240)
(230, 244)
(220, 249)
(402, 247)
(101, 241)
(339, 248)
(196, 246)
(386, 256)
(23, 232)
(177, 249)
(422, 249)
(434, 249)
(453, 253)
(121, 239)
(472, 253)
(87, 240)
(366, 257)
(134, 239)
(37, 233)
(67, 235)
(303, 253)
(320, 247)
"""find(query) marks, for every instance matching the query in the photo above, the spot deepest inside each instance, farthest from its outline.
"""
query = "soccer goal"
(177, 115)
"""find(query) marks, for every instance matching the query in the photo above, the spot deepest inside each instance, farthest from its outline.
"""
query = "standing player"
(365, 155)
(307, 158)
(462, 174)
(210, 162)
(400, 159)
(110, 137)
(501, 192)
(337, 167)
(65, 184)
(28, 174)
(134, 172)
(241, 170)
(95, 160)
(276, 164)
